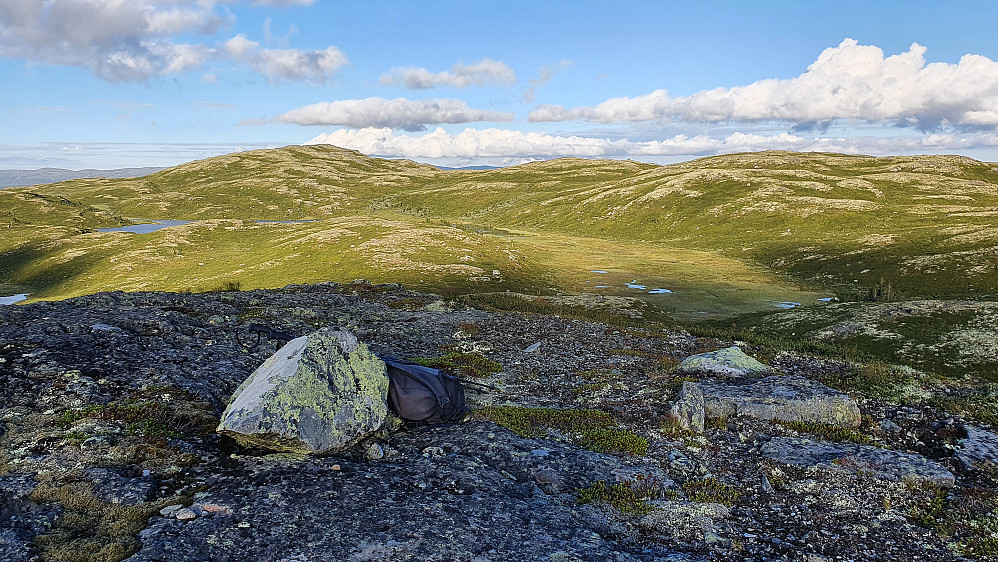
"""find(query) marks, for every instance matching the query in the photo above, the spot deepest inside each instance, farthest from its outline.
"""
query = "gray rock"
(785, 398)
(980, 446)
(687, 522)
(320, 394)
(171, 511)
(186, 514)
(689, 408)
(471, 507)
(112, 487)
(730, 361)
(883, 463)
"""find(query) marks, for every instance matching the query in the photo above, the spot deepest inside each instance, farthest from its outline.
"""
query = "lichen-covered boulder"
(318, 394)
(783, 398)
(688, 409)
(730, 361)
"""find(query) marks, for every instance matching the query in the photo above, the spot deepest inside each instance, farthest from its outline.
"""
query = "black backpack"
(423, 394)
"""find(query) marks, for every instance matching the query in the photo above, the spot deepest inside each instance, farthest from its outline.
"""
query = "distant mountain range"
(21, 178)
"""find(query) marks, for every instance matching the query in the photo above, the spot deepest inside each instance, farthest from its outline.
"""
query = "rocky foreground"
(598, 443)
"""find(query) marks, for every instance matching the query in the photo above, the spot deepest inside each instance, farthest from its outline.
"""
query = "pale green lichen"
(334, 396)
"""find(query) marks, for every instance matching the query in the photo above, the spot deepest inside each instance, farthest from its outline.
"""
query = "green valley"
(719, 240)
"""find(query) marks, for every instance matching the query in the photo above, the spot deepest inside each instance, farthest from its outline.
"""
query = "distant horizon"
(428, 161)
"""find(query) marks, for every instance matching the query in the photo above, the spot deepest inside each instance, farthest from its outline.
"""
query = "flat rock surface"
(786, 398)
(884, 463)
(425, 506)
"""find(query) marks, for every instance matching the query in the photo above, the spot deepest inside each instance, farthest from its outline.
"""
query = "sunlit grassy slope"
(735, 230)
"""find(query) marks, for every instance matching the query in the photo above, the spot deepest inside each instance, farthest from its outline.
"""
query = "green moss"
(711, 490)
(89, 529)
(462, 364)
(826, 431)
(968, 517)
(152, 412)
(874, 379)
(592, 429)
(621, 496)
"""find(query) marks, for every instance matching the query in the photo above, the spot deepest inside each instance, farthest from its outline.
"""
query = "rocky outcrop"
(784, 398)
(318, 394)
(883, 463)
(729, 362)
(979, 447)
(108, 405)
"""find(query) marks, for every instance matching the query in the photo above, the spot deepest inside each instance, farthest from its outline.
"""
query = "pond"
(13, 298)
(144, 228)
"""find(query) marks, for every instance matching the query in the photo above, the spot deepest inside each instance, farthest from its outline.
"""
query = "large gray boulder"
(784, 398)
(318, 394)
(730, 362)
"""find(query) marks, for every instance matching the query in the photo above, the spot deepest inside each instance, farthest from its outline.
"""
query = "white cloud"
(134, 40)
(396, 113)
(850, 81)
(485, 144)
(291, 64)
(485, 71)
(118, 40)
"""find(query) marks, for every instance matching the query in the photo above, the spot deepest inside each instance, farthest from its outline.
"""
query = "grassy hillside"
(728, 233)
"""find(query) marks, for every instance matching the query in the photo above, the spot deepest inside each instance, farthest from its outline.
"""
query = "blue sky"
(116, 83)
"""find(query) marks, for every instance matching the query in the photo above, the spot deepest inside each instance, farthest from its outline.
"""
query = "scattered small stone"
(374, 452)
(186, 514)
(433, 452)
(171, 511)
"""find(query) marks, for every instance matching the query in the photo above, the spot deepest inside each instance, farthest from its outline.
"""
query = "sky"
(128, 83)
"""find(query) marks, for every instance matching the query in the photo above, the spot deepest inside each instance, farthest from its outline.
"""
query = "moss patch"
(153, 412)
(621, 496)
(711, 490)
(593, 429)
(462, 364)
(89, 529)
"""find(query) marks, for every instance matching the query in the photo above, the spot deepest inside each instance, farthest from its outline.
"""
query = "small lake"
(13, 299)
(632, 284)
(144, 228)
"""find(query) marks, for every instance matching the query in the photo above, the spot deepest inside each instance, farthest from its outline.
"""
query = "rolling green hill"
(921, 225)
(721, 240)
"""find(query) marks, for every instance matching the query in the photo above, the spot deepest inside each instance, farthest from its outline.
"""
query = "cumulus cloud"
(485, 71)
(118, 40)
(510, 144)
(134, 40)
(291, 64)
(850, 81)
(398, 113)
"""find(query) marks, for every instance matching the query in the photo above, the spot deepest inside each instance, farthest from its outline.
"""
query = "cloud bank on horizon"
(847, 82)
(221, 58)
